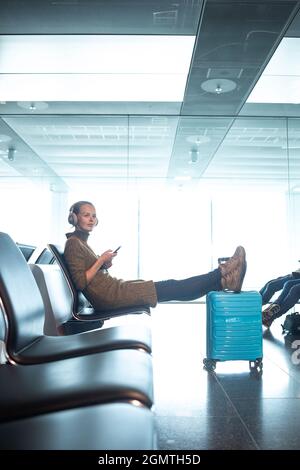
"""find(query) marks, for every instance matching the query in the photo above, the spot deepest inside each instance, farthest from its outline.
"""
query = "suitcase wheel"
(209, 364)
(256, 367)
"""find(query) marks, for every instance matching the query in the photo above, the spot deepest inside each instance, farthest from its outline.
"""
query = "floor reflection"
(229, 408)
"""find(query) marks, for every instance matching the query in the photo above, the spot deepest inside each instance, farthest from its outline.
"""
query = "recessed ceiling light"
(94, 68)
(218, 86)
(279, 82)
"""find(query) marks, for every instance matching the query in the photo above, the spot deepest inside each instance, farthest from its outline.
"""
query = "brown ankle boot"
(269, 314)
(234, 261)
(234, 270)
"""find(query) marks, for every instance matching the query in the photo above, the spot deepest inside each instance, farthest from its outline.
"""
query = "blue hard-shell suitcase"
(234, 328)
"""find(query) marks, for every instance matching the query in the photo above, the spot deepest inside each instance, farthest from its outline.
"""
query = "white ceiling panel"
(94, 67)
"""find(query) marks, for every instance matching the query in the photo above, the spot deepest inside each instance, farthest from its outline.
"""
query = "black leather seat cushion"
(97, 378)
(52, 348)
(116, 426)
(88, 313)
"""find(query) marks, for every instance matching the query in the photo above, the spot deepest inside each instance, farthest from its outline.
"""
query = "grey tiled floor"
(227, 409)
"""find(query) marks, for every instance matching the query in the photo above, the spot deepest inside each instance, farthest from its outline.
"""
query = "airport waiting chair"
(113, 426)
(82, 310)
(45, 257)
(23, 308)
(26, 250)
(41, 255)
(105, 377)
(58, 302)
(42, 405)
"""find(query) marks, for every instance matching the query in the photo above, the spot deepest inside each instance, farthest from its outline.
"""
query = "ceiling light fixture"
(194, 155)
(279, 82)
(11, 154)
(218, 86)
(132, 68)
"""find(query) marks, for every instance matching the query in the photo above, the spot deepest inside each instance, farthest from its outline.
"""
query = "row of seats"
(92, 390)
(34, 254)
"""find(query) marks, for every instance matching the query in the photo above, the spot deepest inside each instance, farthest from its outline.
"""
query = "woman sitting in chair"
(107, 292)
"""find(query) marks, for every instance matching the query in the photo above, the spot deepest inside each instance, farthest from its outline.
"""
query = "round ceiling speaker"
(218, 86)
(33, 105)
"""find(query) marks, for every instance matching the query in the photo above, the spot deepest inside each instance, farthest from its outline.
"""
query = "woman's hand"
(107, 257)
(104, 260)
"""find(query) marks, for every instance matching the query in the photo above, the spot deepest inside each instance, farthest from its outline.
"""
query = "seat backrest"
(56, 295)
(45, 257)
(26, 250)
(79, 300)
(41, 255)
(58, 302)
(21, 299)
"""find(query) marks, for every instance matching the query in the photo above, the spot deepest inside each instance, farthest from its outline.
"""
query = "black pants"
(188, 289)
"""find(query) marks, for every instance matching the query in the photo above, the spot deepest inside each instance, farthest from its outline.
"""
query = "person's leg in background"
(289, 296)
(272, 286)
(287, 299)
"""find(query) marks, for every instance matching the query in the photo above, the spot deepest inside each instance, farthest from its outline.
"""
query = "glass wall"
(250, 175)
(175, 234)
(25, 210)
(174, 204)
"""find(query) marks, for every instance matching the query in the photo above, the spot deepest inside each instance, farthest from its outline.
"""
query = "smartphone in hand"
(104, 266)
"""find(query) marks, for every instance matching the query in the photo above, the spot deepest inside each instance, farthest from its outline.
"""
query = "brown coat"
(104, 291)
